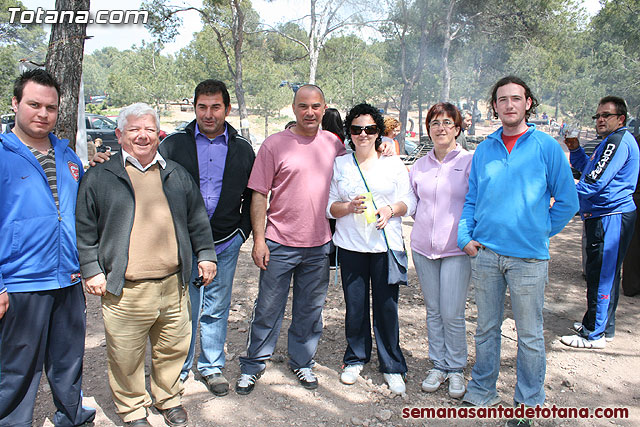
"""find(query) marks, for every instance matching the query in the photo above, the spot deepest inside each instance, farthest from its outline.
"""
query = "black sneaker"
(246, 382)
(306, 378)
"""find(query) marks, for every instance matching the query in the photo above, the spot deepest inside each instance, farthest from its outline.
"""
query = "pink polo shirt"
(297, 170)
(441, 189)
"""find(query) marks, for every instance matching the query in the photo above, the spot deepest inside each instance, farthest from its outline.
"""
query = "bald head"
(308, 107)
(308, 87)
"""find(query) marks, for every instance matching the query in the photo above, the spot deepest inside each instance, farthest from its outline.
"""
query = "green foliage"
(17, 42)
(616, 43)
(143, 74)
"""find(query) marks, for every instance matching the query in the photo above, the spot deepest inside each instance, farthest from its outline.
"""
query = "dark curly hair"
(527, 94)
(363, 110)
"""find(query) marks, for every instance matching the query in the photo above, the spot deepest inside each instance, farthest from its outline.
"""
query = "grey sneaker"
(350, 374)
(306, 378)
(246, 382)
(435, 377)
(457, 386)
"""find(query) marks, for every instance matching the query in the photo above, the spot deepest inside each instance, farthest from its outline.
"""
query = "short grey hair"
(136, 110)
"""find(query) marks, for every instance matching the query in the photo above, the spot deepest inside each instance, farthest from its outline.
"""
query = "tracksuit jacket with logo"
(37, 240)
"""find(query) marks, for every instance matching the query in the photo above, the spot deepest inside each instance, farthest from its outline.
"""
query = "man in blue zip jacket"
(605, 191)
(42, 306)
(505, 228)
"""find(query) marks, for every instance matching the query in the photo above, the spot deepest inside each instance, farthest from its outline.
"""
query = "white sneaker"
(395, 382)
(433, 380)
(577, 341)
(350, 373)
(577, 326)
(457, 386)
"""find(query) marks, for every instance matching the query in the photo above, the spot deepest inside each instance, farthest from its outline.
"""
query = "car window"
(102, 123)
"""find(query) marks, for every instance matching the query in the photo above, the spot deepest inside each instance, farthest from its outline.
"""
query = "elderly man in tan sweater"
(139, 218)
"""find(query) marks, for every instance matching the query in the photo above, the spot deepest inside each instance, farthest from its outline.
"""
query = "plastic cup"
(370, 210)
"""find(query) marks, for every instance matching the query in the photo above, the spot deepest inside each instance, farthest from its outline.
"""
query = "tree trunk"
(446, 47)
(472, 128)
(405, 101)
(64, 62)
(313, 45)
(266, 124)
(237, 31)
(419, 114)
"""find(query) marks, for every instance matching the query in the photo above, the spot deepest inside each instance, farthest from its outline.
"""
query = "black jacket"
(104, 219)
(232, 214)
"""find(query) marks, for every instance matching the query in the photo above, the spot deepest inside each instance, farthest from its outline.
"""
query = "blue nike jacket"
(609, 176)
(37, 241)
(507, 205)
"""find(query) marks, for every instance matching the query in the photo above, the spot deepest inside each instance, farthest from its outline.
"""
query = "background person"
(362, 247)
(391, 131)
(605, 191)
(461, 139)
(332, 121)
(440, 181)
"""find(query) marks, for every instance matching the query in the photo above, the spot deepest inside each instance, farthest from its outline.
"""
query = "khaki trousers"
(157, 309)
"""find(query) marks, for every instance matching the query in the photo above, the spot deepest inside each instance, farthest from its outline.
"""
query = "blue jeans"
(210, 305)
(526, 278)
(444, 283)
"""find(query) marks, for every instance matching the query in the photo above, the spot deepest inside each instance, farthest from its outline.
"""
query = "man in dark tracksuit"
(605, 191)
(42, 306)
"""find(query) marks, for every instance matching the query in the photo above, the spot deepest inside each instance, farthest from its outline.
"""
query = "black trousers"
(44, 328)
(358, 271)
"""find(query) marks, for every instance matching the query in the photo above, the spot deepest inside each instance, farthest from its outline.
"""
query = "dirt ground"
(575, 378)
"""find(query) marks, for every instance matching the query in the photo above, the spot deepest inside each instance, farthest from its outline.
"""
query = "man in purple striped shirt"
(220, 161)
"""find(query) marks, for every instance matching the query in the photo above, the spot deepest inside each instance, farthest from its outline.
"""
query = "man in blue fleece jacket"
(42, 306)
(605, 191)
(505, 228)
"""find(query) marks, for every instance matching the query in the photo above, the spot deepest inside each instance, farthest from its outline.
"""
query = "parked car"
(7, 122)
(181, 126)
(104, 128)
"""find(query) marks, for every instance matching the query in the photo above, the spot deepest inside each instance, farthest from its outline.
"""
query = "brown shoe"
(217, 384)
(175, 417)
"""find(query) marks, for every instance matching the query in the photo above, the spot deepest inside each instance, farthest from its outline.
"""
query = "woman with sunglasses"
(362, 250)
(440, 181)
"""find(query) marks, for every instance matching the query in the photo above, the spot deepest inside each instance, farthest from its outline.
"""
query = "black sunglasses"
(369, 130)
(604, 115)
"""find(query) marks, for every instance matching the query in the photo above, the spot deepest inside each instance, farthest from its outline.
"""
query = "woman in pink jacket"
(440, 182)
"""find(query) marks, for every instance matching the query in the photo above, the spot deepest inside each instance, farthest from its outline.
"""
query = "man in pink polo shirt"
(295, 165)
